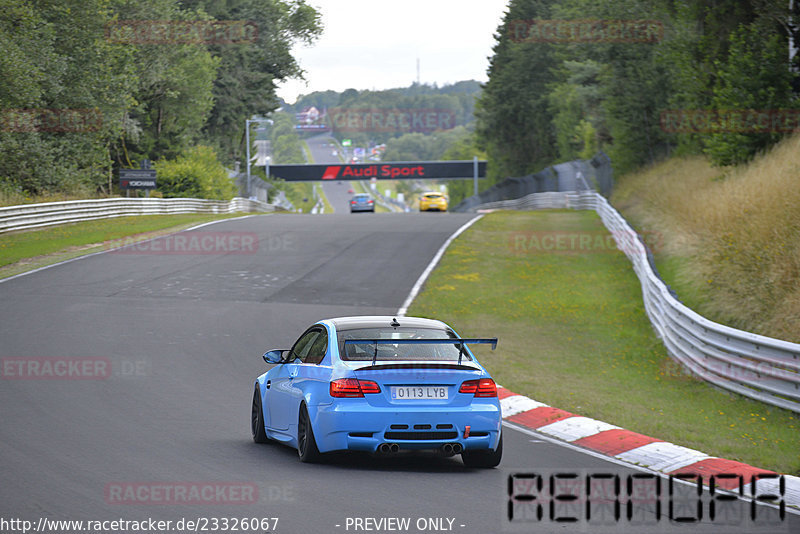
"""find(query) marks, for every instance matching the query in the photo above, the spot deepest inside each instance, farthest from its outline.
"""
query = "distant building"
(308, 116)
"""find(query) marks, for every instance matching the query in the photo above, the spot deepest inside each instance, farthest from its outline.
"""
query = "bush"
(197, 174)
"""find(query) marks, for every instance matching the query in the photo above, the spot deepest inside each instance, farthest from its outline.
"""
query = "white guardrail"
(752, 365)
(51, 213)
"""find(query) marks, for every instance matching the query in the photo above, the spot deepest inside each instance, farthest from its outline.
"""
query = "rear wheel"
(484, 459)
(257, 419)
(306, 444)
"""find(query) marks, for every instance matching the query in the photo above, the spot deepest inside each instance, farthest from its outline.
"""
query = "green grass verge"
(325, 204)
(29, 249)
(307, 152)
(573, 334)
(300, 194)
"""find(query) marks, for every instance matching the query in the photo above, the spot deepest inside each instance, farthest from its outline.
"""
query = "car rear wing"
(461, 342)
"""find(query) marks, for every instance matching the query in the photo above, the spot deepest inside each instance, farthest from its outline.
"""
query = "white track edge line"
(427, 272)
(18, 275)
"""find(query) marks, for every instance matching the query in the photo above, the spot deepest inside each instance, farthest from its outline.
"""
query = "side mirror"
(274, 356)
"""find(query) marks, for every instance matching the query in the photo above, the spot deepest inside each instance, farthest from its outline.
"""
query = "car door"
(283, 397)
(312, 380)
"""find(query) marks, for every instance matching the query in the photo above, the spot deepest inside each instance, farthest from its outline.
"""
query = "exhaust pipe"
(451, 449)
(388, 448)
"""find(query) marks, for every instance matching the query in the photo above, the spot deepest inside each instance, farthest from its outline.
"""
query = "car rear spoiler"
(444, 341)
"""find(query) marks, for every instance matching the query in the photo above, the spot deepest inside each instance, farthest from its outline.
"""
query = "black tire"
(306, 444)
(257, 419)
(484, 459)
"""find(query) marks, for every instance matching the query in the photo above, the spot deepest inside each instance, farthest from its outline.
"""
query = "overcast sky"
(374, 44)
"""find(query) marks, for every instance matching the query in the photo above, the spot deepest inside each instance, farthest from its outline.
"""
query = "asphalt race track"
(335, 190)
(183, 335)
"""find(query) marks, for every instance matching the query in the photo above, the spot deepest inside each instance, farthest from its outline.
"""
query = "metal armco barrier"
(595, 173)
(759, 367)
(52, 213)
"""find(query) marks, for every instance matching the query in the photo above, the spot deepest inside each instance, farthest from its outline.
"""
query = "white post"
(247, 136)
(475, 175)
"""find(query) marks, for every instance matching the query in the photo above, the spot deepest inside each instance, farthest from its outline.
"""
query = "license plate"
(419, 392)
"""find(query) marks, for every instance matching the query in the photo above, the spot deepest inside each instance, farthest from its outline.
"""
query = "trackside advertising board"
(137, 178)
(402, 170)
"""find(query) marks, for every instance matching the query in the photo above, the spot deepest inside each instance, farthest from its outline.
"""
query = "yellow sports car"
(433, 201)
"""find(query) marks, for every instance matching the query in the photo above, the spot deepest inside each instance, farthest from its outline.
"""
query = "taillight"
(370, 201)
(485, 387)
(346, 387)
(353, 387)
(368, 386)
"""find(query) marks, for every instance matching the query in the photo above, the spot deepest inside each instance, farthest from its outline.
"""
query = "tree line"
(639, 79)
(381, 116)
(162, 76)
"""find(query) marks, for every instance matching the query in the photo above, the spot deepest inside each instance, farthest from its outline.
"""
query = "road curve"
(182, 336)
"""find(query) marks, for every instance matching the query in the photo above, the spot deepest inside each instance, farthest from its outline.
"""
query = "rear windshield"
(389, 352)
(361, 196)
(433, 195)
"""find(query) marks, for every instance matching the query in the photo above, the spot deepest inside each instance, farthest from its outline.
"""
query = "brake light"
(368, 386)
(346, 387)
(485, 387)
(370, 201)
(353, 388)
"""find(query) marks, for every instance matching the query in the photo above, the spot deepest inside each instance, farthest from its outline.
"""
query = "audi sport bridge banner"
(399, 170)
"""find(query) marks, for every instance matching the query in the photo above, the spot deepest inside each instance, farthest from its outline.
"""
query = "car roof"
(378, 321)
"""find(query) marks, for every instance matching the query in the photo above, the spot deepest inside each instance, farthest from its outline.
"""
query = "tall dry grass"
(736, 233)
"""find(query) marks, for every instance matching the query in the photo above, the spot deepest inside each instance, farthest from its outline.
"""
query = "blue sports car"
(381, 385)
